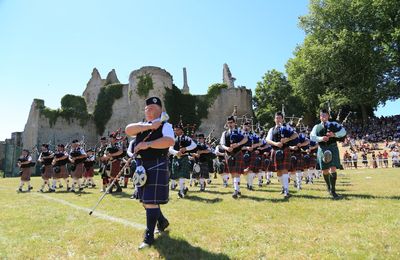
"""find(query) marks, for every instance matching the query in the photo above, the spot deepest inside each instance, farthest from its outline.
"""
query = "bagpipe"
(22, 164)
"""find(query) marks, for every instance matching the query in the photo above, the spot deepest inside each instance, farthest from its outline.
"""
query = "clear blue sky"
(49, 48)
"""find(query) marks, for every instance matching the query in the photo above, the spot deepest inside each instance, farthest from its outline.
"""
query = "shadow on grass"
(273, 200)
(200, 199)
(172, 248)
(368, 196)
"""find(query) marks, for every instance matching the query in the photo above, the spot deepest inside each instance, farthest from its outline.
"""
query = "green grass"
(211, 225)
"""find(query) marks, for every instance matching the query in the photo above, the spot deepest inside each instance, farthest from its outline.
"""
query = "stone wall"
(223, 107)
(38, 130)
(130, 108)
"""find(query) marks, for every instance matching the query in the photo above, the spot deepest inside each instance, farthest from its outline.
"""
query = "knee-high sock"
(202, 182)
(299, 175)
(173, 183)
(151, 220)
(333, 177)
(225, 177)
(260, 176)
(285, 181)
(327, 181)
(21, 184)
(181, 184)
(53, 186)
(236, 181)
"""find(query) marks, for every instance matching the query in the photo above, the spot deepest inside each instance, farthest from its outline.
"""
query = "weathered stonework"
(130, 108)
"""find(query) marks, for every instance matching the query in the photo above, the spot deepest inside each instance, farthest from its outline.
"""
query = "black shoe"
(80, 189)
(52, 190)
(208, 181)
(60, 186)
(185, 190)
(251, 188)
(282, 191)
(268, 182)
(259, 184)
(235, 195)
(239, 193)
(20, 189)
(173, 187)
(162, 225)
(335, 196)
(181, 194)
(93, 185)
(68, 189)
(195, 184)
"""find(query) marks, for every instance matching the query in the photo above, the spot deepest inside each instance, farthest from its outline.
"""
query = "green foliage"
(351, 51)
(271, 93)
(72, 102)
(144, 85)
(72, 107)
(191, 108)
(103, 109)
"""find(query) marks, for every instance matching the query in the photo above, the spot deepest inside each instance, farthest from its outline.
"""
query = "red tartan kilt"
(89, 173)
(79, 169)
(115, 168)
(253, 167)
(300, 162)
(238, 167)
(270, 165)
(285, 163)
(311, 163)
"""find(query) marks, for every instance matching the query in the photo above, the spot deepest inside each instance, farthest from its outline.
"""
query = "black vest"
(322, 132)
(47, 161)
(151, 153)
(61, 162)
(276, 137)
(228, 143)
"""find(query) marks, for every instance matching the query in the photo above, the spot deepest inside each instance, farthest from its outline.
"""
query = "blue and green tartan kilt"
(256, 162)
(335, 156)
(181, 168)
(204, 172)
(156, 190)
(234, 163)
(285, 163)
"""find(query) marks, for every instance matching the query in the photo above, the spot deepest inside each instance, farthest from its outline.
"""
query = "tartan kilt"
(253, 162)
(89, 173)
(79, 169)
(204, 173)
(26, 174)
(270, 166)
(63, 171)
(48, 172)
(310, 163)
(335, 156)
(156, 190)
(285, 163)
(180, 168)
(234, 164)
(115, 168)
(299, 165)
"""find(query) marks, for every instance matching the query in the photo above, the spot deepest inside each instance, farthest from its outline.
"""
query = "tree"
(350, 56)
(271, 93)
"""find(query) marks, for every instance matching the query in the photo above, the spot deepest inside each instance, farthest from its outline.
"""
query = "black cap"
(103, 138)
(113, 135)
(153, 101)
(231, 118)
(75, 141)
(61, 145)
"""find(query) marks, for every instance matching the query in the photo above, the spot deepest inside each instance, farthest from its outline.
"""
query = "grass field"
(365, 224)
